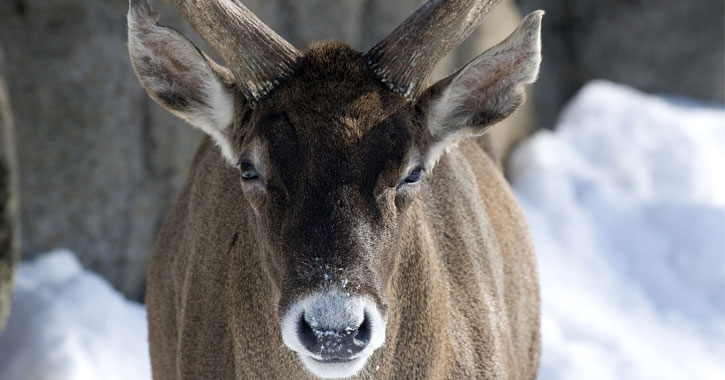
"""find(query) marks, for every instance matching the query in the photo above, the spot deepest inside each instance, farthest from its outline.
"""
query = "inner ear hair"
(485, 91)
(182, 79)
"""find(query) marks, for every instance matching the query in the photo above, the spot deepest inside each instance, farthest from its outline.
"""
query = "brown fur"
(452, 263)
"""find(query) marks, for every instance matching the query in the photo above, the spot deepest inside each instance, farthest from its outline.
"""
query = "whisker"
(366, 370)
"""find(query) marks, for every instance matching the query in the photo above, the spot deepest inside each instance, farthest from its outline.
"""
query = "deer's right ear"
(181, 78)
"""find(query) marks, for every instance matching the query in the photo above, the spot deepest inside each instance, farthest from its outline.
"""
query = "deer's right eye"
(248, 172)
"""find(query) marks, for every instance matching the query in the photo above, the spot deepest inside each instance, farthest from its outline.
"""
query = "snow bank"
(626, 201)
(69, 324)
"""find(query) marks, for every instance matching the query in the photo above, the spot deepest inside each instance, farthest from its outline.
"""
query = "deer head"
(332, 146)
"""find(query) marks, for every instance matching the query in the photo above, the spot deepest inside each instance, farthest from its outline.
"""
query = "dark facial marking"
(336, 144)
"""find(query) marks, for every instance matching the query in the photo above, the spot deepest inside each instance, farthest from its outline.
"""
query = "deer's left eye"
(248, 172)
(414, 176)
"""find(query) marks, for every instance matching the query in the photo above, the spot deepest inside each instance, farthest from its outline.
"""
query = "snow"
(626, 202)
(67, 323)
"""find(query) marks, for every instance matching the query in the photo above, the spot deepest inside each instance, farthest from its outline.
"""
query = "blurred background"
(90, 164)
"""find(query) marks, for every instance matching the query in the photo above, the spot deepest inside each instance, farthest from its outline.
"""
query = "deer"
(343, 218)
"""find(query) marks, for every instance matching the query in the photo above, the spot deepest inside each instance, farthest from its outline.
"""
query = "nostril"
(361, 338)
(306, 334)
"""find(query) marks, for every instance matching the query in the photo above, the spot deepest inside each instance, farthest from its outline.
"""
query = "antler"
(406, 57)
(257, 55)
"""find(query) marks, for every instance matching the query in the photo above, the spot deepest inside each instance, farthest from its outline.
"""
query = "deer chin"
(334, 369)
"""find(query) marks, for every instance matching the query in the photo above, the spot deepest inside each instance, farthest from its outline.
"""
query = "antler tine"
(257, 55)
(406, 57)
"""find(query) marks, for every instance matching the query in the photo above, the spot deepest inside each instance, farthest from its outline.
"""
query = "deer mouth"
(333, 368)
(333, 360)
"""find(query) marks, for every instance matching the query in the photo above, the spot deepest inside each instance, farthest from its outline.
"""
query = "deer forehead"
(333, 108)
(333, 83)
(333, 156)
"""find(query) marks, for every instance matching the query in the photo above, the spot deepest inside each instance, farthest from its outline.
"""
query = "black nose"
(332, 344)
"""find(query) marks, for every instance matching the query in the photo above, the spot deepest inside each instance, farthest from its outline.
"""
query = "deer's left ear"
(485, 91)
(180, 77)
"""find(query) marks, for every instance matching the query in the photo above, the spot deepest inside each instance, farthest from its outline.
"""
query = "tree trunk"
(8, 202)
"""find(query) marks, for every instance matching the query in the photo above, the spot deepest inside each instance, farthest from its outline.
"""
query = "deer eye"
(414, 176)
(248, 172)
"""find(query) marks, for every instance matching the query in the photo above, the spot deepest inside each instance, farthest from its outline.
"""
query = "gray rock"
(666, 46)
(9, 241)
(100, 162)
